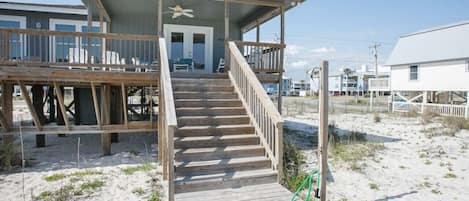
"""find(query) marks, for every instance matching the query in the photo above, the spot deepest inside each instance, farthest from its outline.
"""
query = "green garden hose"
(309, 181)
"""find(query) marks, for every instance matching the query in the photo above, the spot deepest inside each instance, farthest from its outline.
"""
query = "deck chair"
(184, 65)
(77, 56)
(221, 66)
(136, 62)
(113, 58)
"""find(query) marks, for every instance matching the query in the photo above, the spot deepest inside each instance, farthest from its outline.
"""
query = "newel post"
(280, 151)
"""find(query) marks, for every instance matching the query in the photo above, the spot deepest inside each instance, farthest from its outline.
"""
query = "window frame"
(418, 72)
(78, 28)
(22, 21)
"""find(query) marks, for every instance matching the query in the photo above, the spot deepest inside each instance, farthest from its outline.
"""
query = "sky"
(341, 31)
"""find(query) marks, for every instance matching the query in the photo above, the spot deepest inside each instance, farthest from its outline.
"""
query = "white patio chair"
(77, 56)
(113, 58)
(221, 65)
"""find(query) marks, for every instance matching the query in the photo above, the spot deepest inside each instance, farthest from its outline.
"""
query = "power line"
(375, 48)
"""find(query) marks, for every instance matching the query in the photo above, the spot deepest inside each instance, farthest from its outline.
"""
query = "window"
(17, 46)
(414, 72)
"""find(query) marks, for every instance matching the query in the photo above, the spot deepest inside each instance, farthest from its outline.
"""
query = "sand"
(60, 157)
(412, 166)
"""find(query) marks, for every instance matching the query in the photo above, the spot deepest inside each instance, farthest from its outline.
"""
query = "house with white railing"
(199, 87)
(430, 71)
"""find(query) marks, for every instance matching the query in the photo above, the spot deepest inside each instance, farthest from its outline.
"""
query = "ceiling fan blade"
(176, 15)
(188, 10)
(188, 15)
(171, 8)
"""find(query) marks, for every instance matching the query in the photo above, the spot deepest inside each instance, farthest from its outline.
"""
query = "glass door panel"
(198, 52)
(63, 43)
(177, 46)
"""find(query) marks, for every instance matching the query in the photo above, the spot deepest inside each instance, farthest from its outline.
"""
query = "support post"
(227, 35)
(7, 109)
(38, 95)
(106, 118)
(323, 128)
(89, 28)
(124, 104)
(424, 101)
(371, 101)
(160, 18)
(467, 105)
(282, 41)
(258, 32)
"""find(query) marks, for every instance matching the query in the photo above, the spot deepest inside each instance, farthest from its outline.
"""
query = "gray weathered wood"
(323, 127)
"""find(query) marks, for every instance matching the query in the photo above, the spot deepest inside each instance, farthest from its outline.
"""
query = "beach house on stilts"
(430, 71)
(199, 83)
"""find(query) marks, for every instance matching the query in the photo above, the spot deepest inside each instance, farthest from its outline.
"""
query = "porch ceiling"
(242, 13)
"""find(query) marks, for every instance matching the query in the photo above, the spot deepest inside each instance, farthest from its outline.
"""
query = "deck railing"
(262, 57)
(167, 122)
(82, 50)
(379, 84)
(440, 109)
(266, 119)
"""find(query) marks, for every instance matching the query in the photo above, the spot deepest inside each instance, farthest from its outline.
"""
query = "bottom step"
(235, 179)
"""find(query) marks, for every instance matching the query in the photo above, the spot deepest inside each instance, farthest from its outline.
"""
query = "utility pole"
(323, 127)
(375, 53)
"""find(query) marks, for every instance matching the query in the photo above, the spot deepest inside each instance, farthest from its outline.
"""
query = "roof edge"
(437, 28)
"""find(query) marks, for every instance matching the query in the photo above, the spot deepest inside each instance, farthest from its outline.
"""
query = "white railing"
(167, 122)
(379, 84)
(440, 109)
(266, 119)
(262, 57)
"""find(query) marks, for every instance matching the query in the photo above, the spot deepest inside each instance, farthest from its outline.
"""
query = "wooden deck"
(261, 192)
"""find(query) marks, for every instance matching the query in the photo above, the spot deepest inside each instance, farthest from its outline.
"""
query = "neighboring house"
(300, 88)
(272, 88)
(432, 66)
(164, 54)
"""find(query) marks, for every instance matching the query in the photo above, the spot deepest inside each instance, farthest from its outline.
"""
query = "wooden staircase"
(215, 144)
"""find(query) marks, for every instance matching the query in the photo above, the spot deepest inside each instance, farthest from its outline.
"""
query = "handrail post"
(280, 151)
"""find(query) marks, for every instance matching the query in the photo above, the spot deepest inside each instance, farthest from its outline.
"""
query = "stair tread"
(223, 137)
(228, 175)
(207, 99)
(214, 127)
(213, 117)
(209, 108)
(216, 149)
(222, 161)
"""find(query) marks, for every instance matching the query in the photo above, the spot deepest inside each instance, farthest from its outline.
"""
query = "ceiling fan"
(178, 11)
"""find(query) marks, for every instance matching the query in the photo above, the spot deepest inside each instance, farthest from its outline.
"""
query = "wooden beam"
(323, 128)
(248, 26)
(227, 34)
(60, 99)
(27, 99)
(106, 117)
(96, 105)
(124, 103)
(258, 2)
(7, 109)
(4, 122)
(37, 92)
(160, 18)
(282, 41)
(102, 10)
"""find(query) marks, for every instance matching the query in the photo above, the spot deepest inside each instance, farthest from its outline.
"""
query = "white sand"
(60, 156)
(411, 167)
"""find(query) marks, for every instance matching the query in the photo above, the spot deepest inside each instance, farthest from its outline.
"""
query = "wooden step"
(213, 153)
(201, 81)
(213, 120)
(207, 103)
(202, 88)
(191, 75)
(215, 141)
(234, 179)
(193, 131)
(204, 95)
(194, 168)
(210, 111)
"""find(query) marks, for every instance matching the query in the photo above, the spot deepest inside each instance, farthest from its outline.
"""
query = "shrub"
(155, 196)
(9, 156)
(131, 170)
(456, 123)
(427, 116)
(376, 118)
(292, 159)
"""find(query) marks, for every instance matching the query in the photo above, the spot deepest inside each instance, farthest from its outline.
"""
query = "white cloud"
(298, 64)
(294, 50)
(323, 50)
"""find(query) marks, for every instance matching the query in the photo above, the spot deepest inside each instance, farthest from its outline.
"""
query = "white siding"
(437, 76)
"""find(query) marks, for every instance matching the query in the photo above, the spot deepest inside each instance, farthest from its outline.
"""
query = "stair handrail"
(167, 121)
(267, 121)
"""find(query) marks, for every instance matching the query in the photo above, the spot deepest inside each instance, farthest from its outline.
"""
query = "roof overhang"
(62, 9)
(247, 13)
